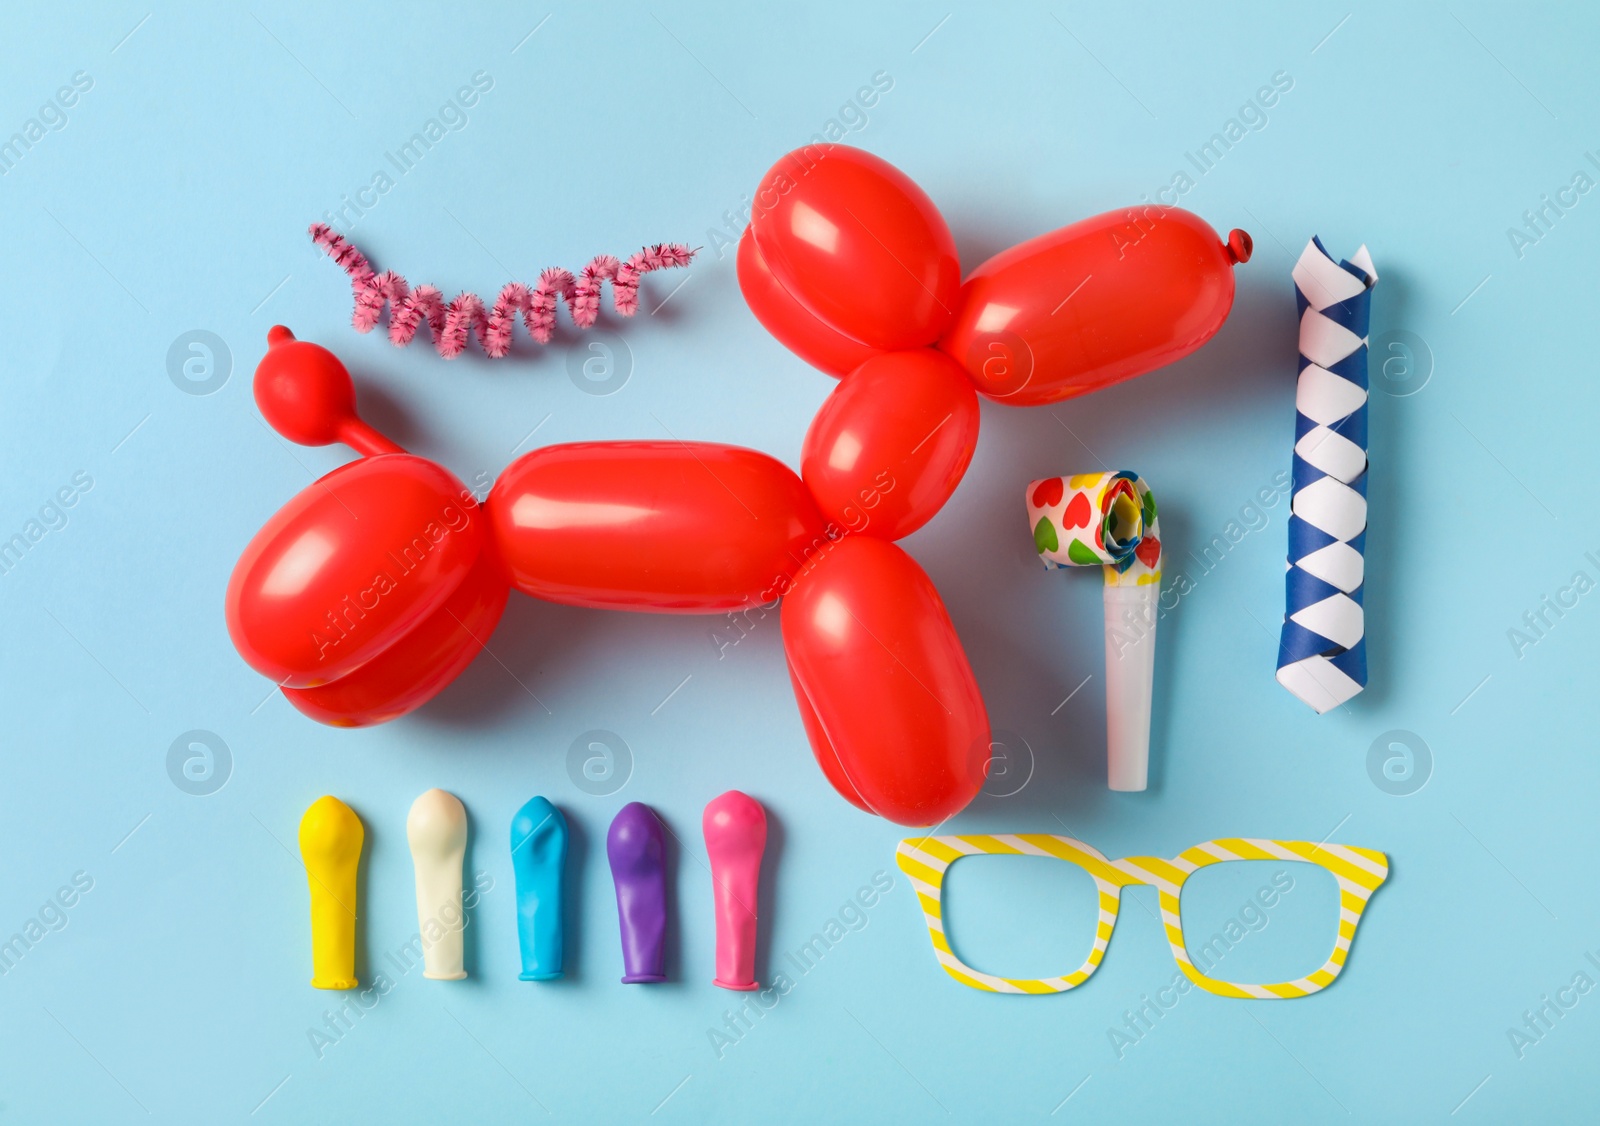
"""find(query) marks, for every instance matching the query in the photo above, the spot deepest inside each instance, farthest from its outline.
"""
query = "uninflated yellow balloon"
(330, 844)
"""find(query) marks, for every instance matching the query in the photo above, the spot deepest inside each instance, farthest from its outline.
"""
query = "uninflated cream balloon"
(437, 831)
(330, 845)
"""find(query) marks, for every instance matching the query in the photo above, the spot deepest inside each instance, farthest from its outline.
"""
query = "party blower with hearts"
(374, 587)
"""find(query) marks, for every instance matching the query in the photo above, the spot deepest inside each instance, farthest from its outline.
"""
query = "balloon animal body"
(373, 588)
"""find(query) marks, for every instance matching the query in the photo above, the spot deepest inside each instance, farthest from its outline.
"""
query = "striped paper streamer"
(1322, 656)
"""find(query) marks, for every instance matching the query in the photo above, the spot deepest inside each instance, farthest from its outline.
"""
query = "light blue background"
(177, 197)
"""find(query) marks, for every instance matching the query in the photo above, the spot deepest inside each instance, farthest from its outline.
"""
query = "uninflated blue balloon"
(539, 859)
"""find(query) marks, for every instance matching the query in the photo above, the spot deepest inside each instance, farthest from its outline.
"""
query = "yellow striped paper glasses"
(1358, 872)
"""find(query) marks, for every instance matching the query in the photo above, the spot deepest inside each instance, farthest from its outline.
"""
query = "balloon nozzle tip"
(1239, 246)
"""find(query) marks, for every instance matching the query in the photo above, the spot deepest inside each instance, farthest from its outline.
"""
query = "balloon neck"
(366, 440)
(1239, 246)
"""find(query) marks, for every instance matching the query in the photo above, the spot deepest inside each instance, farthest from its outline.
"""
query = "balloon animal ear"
(306, 395)
(858, 245)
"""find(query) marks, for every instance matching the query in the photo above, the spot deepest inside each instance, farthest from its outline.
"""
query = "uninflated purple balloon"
(635, 849)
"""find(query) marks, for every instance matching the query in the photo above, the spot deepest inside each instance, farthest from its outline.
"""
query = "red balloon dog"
(371, 590)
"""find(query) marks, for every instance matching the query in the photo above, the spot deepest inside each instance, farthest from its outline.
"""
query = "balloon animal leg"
(418, 666)
(877, 661)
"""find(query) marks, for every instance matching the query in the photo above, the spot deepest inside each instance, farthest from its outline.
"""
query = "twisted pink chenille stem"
(454, 323)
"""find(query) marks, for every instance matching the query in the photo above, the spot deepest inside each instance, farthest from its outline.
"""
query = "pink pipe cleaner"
(453, 323)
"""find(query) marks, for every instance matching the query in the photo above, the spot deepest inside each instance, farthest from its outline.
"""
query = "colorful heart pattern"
(1078, 511)
(1071, 517)
(1044, 536)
